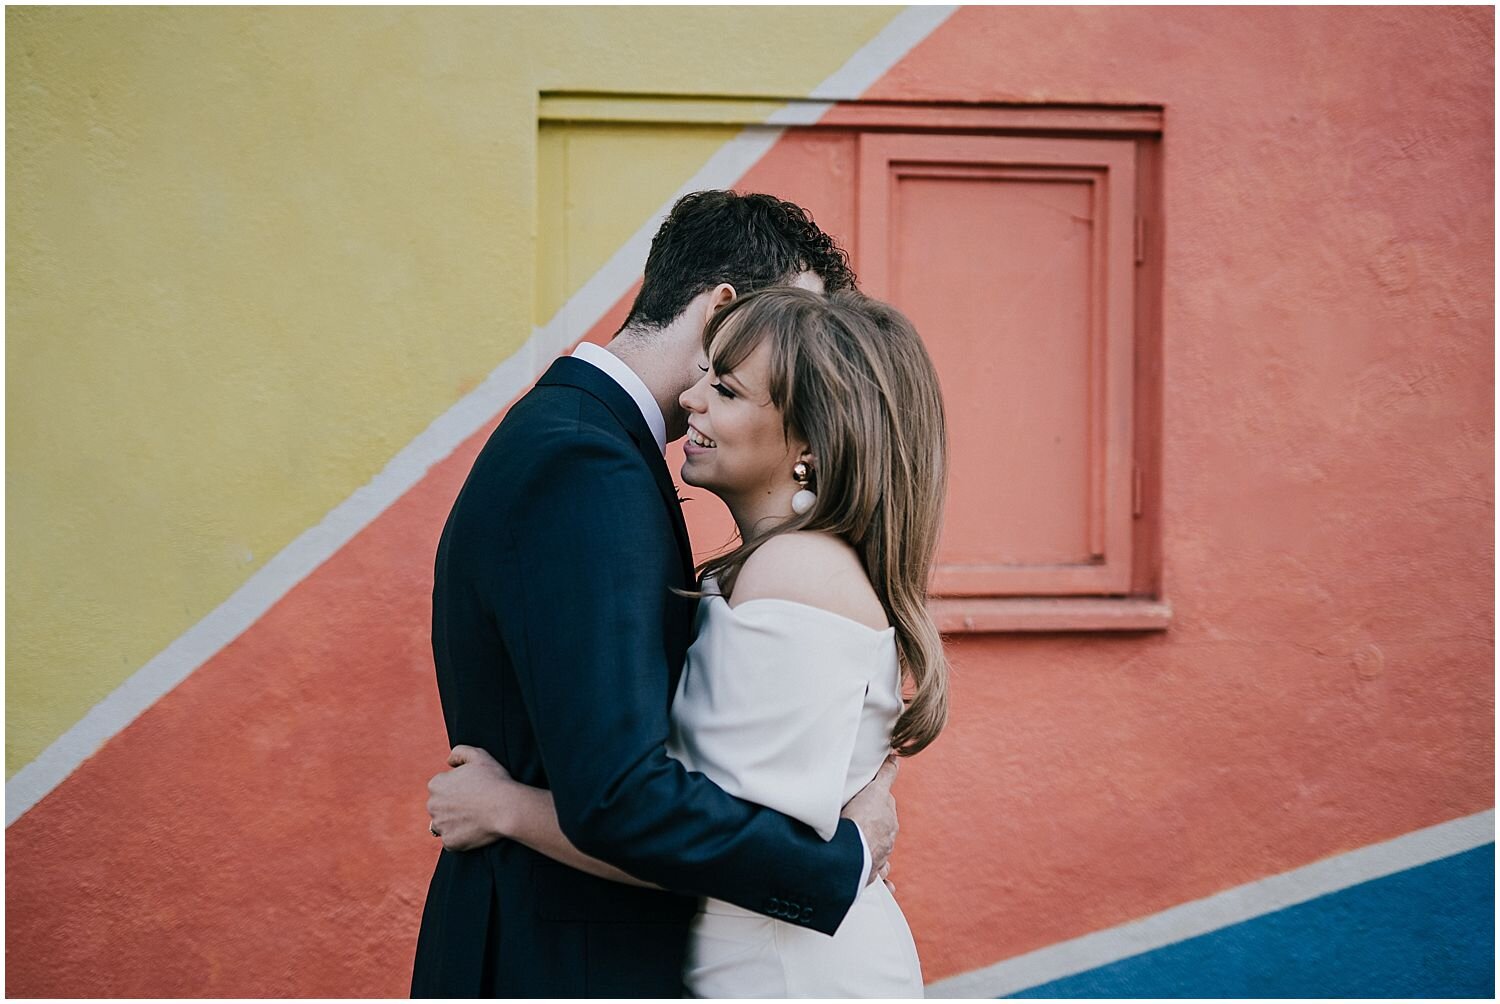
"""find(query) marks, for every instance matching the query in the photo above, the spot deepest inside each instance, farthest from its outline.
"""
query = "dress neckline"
(734, 611)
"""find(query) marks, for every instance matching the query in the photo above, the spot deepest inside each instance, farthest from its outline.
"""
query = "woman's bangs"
(775, 315)
(737, 335)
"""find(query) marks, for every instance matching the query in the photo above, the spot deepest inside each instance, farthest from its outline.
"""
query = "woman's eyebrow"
(738, 386)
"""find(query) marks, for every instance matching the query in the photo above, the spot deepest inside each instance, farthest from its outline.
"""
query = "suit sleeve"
(590, 557)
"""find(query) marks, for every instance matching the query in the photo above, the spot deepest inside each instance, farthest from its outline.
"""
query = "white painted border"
(297, 560)
(1232, 906)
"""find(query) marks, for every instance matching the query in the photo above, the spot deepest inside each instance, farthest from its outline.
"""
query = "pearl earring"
(804, 499)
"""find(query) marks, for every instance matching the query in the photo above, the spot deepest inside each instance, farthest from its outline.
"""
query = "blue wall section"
(1424, 932)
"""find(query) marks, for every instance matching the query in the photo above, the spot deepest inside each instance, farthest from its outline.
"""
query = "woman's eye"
(723, 391)
(703, 368)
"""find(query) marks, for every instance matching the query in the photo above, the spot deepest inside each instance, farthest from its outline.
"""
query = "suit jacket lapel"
(587, 377)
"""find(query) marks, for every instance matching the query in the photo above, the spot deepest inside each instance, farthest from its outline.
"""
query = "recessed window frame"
(1128, 593)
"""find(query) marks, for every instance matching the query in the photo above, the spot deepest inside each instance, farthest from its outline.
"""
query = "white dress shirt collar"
(631, 383)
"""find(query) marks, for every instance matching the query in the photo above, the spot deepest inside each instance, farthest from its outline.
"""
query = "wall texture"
(272, 276)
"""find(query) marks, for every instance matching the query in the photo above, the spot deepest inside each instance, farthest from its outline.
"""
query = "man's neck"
(649, 356)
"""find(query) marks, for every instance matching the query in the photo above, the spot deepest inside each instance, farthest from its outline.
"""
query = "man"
(559, 642)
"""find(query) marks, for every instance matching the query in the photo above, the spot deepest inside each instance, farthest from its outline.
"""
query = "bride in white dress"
(819, 422)
(791, 706)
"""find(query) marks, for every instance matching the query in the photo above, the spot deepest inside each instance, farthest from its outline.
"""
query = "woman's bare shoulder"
(818, 569)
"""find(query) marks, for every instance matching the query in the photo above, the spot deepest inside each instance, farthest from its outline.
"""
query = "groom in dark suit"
(559, 642)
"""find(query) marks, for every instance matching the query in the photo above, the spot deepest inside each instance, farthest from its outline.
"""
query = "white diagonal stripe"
(879, 54)
(1241, 903)
(312, 547)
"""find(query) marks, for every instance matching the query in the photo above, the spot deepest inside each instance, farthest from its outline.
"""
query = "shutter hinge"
(1140, 239)
(1135, 489)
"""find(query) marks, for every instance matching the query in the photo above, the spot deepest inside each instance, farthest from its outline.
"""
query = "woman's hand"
(477, 803)
(468, 803)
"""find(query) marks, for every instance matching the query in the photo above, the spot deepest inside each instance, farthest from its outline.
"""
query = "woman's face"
(736, 445)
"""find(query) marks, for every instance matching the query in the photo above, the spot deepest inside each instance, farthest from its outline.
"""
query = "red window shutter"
(1015, 257)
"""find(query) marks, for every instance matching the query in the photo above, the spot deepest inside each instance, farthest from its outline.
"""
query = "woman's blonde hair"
(852, 378)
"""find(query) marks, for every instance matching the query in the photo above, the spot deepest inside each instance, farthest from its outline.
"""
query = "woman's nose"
(689, 398)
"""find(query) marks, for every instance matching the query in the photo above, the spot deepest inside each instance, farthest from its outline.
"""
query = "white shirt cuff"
(864, 872)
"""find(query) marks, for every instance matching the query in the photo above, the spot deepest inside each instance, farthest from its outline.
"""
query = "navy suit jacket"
(558, 644)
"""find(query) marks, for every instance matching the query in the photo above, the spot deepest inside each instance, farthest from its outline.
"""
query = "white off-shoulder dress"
(791, 706)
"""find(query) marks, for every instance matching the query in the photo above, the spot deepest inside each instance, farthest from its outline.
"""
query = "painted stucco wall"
(1327, 494)
(262, 264)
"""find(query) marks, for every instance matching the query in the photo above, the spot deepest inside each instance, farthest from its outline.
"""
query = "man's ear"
(719, 297)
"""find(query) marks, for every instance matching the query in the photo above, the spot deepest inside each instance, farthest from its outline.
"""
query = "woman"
(819, 422)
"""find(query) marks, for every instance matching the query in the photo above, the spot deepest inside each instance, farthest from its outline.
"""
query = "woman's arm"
(477, 802)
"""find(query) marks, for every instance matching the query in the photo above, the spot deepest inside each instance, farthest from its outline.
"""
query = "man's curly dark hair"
(749, 241)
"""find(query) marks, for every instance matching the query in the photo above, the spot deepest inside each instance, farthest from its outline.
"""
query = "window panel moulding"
(1002, 615)
(848, 113)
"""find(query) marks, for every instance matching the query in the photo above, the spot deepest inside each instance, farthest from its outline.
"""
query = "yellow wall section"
(253, 252)
(574, 239)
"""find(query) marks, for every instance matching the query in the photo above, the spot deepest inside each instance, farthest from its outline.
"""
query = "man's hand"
(874, 810)
(466, 804)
